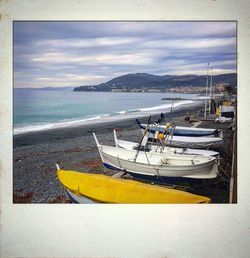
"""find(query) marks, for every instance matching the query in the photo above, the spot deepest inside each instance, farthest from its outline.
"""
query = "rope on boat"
(119, 161)
(157, 171)
(147, 157)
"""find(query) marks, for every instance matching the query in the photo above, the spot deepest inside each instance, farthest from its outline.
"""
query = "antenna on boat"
(171, 110)
(205, 110)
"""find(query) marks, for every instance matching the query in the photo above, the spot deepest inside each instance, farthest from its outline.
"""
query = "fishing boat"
(161, 148)
(180, 130)
(182, 141)
(192, 142)
(158, 164)
(98, 188)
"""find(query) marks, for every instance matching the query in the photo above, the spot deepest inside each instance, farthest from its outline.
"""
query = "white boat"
(166, 149)
(158, 164)
(191, 142)
(180, 130)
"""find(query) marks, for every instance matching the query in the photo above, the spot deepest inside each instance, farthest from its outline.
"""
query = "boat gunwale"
(129, 145)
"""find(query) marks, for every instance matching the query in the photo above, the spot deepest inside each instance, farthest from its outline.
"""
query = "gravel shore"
(35, 156)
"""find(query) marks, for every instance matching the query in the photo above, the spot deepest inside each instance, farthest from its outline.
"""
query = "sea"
(38, 110)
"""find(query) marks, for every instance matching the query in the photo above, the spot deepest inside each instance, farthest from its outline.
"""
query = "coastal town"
(217, 88)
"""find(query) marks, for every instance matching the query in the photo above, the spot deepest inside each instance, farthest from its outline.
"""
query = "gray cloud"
(84, 53)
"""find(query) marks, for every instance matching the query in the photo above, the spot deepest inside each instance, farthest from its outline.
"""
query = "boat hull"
(197, 179)
(96, 188)
(191, 142)
(202, 170)
(181, 131)
(175, 180)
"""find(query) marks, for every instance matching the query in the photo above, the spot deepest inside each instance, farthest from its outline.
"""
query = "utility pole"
(205, 110)
(210, 91)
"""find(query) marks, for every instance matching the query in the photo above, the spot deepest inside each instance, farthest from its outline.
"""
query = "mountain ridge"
(149, 82)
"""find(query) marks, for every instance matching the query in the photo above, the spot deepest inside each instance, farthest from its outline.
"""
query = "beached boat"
(183, 141)
(192, 142)
(97, 188)
(159, 148)
(180, 130)
(158, 164)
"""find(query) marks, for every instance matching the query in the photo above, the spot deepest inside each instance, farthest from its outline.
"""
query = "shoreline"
(105, 118)
(75, 131)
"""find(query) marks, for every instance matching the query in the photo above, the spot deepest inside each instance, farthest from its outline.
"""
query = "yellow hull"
(105, 189)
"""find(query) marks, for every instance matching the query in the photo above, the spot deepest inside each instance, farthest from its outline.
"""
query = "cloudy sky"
(58, 54)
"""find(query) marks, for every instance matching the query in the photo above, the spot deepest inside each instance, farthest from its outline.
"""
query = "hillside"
(147, 82)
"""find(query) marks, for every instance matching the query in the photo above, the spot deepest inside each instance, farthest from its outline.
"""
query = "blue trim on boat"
(81, 199)
(71, 197)
(139, 123)
(167, 180)
(177, 132)
(159, 179)
(109, 166)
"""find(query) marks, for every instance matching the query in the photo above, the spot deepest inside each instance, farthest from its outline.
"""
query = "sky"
(70, 54)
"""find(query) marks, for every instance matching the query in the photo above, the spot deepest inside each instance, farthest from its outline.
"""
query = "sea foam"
(102, 118)
(62, 124)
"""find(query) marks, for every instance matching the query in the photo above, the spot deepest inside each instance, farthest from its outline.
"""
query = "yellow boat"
(97, 188)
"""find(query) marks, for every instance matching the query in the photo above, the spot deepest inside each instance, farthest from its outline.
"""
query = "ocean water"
(37, 110)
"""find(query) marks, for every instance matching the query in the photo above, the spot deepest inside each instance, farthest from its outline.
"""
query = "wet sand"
(35, 156)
